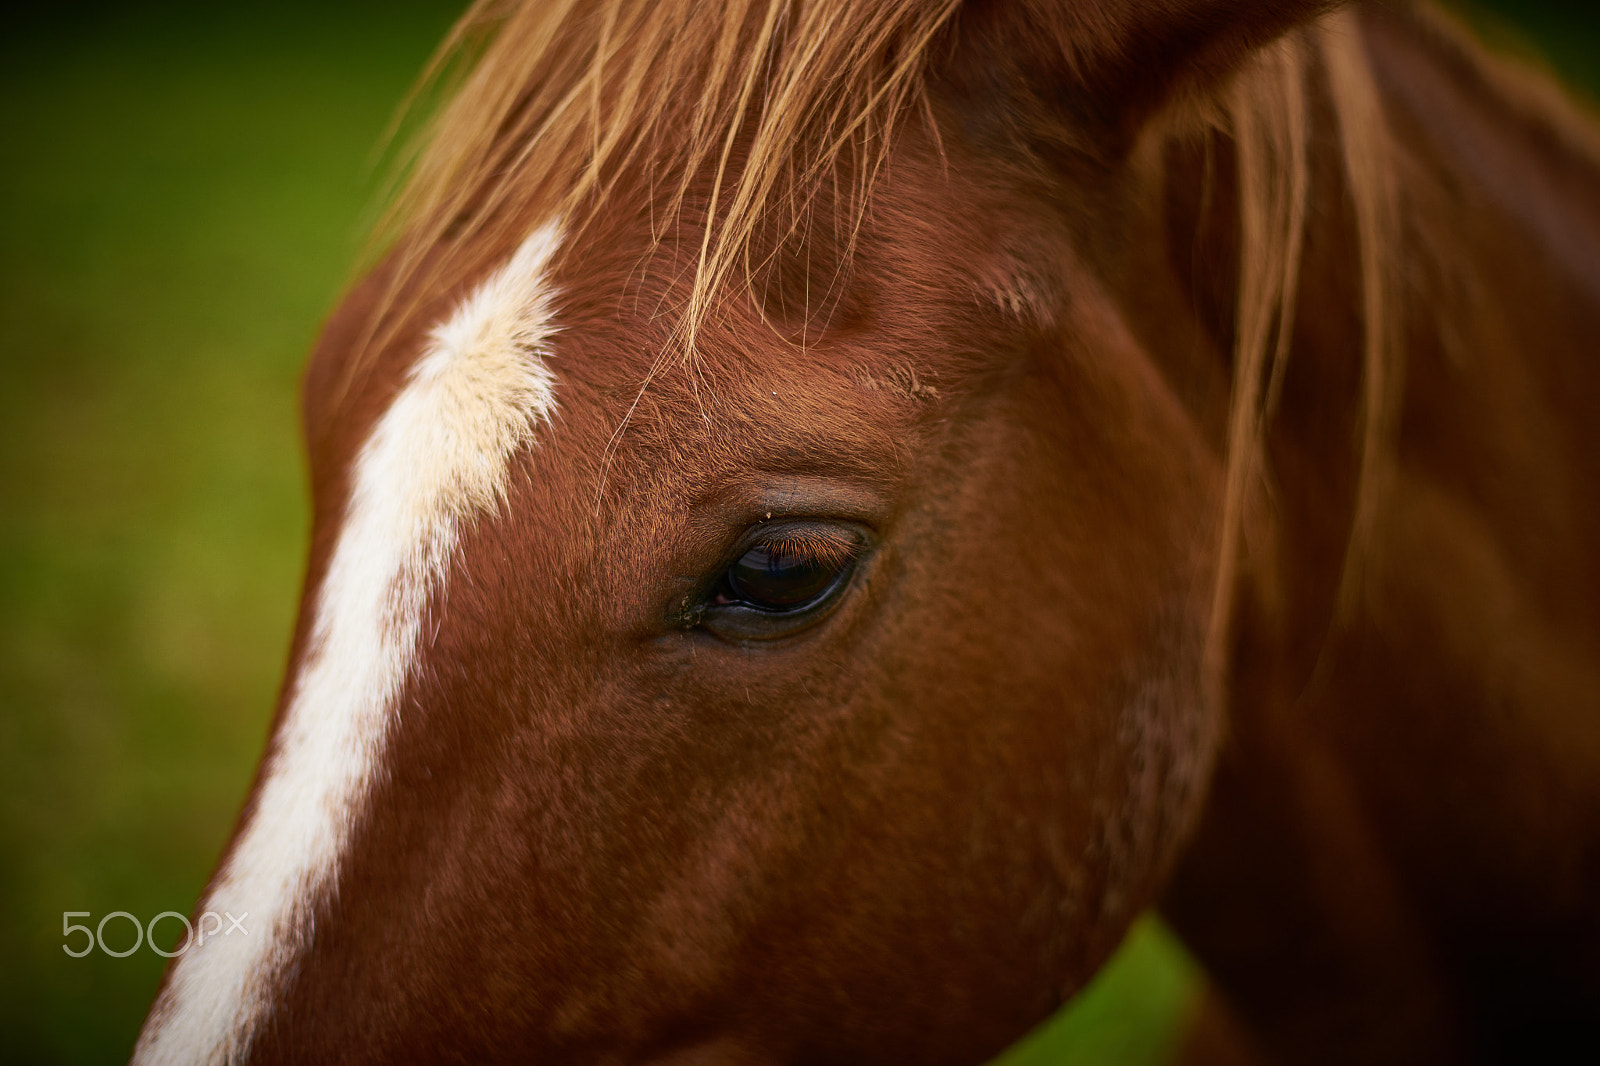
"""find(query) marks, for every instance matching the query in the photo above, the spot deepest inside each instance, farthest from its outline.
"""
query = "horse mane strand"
(1267, 112)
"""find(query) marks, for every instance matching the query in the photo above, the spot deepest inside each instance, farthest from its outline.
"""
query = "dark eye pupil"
(775, 580)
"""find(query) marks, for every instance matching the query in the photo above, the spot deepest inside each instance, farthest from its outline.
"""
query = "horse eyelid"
(823, 546)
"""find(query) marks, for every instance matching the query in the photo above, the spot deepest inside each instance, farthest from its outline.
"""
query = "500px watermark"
(193, 934)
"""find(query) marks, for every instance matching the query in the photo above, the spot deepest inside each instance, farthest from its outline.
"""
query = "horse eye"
(783, 576)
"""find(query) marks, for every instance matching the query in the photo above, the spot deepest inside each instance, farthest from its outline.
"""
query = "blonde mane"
(555, 100)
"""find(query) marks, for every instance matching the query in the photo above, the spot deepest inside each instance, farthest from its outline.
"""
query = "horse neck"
(1415, 745)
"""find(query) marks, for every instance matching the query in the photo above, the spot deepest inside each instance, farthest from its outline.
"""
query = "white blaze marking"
(437, 457)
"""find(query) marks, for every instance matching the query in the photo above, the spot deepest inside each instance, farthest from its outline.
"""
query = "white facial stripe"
(438, 457)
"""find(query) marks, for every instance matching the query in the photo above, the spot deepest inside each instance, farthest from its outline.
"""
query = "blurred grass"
(181, 195)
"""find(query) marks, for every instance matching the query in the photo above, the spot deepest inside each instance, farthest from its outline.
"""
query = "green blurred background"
(183, 191)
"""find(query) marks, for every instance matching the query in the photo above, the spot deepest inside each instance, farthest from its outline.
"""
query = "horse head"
(776, 511)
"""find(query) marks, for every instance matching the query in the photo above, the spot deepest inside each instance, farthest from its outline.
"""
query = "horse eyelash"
(823, 546)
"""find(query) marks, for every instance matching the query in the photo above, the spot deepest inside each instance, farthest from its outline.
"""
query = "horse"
(826, 511)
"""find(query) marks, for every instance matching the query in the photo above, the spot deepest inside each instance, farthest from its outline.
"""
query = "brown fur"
(1213, 469)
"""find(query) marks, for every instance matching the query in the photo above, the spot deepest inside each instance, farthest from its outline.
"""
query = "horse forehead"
(750, 387)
